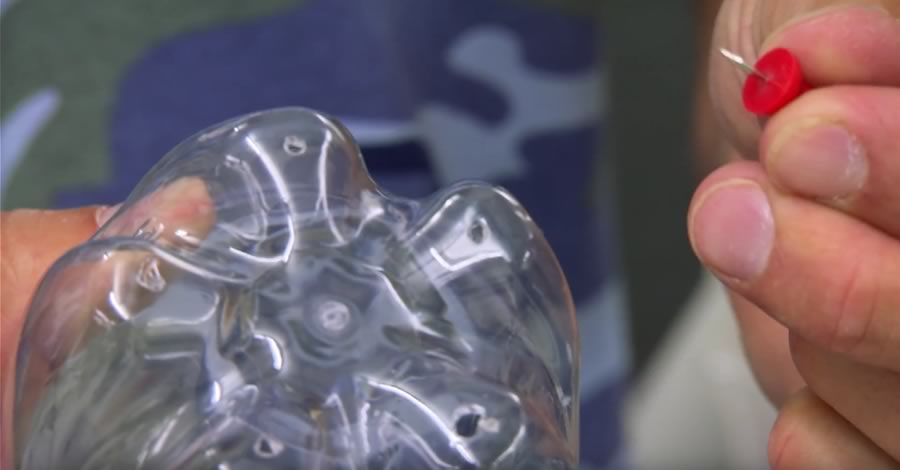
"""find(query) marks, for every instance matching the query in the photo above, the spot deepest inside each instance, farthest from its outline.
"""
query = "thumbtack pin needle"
(741, 63)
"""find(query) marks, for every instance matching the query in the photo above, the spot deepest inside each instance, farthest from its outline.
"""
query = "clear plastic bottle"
(258, 302)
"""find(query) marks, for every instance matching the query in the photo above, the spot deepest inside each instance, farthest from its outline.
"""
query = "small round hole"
(267, 448)
(334, 316)
(476, 231)
(467, 424)
(294, 145)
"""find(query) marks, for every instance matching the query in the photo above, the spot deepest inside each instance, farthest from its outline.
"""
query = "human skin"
(803, 225)
(32, 240)
(818, 296)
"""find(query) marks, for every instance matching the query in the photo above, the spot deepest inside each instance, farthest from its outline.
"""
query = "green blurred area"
(651, 54)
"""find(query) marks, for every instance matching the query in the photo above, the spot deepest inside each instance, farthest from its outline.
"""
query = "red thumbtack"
(772, 83)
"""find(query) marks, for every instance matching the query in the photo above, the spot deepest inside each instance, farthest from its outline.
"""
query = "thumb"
(837, 42)
(180, 213)
(30, 241)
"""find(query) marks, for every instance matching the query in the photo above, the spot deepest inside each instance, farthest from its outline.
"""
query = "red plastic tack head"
(777, 80)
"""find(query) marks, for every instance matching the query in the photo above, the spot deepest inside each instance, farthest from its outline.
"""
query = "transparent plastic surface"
(259, 302)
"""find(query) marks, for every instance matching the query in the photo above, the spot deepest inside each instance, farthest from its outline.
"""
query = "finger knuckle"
(853, 311)
(782, 445)
(786, 444)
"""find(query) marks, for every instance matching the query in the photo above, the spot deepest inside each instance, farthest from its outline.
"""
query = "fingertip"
(818, 158)
(739, 173)
(837, 145)
(733, 230)
(844, 44)
(104, 213)
(740, 170)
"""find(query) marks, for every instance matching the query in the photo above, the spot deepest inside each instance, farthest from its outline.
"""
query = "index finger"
(824, 275)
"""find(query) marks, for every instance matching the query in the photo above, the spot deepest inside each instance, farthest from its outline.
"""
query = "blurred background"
(689, 399)
(693, 402)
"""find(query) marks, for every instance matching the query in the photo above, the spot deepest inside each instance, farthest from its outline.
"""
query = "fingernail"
(824, 161)
(733, 230)
(103, 214)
